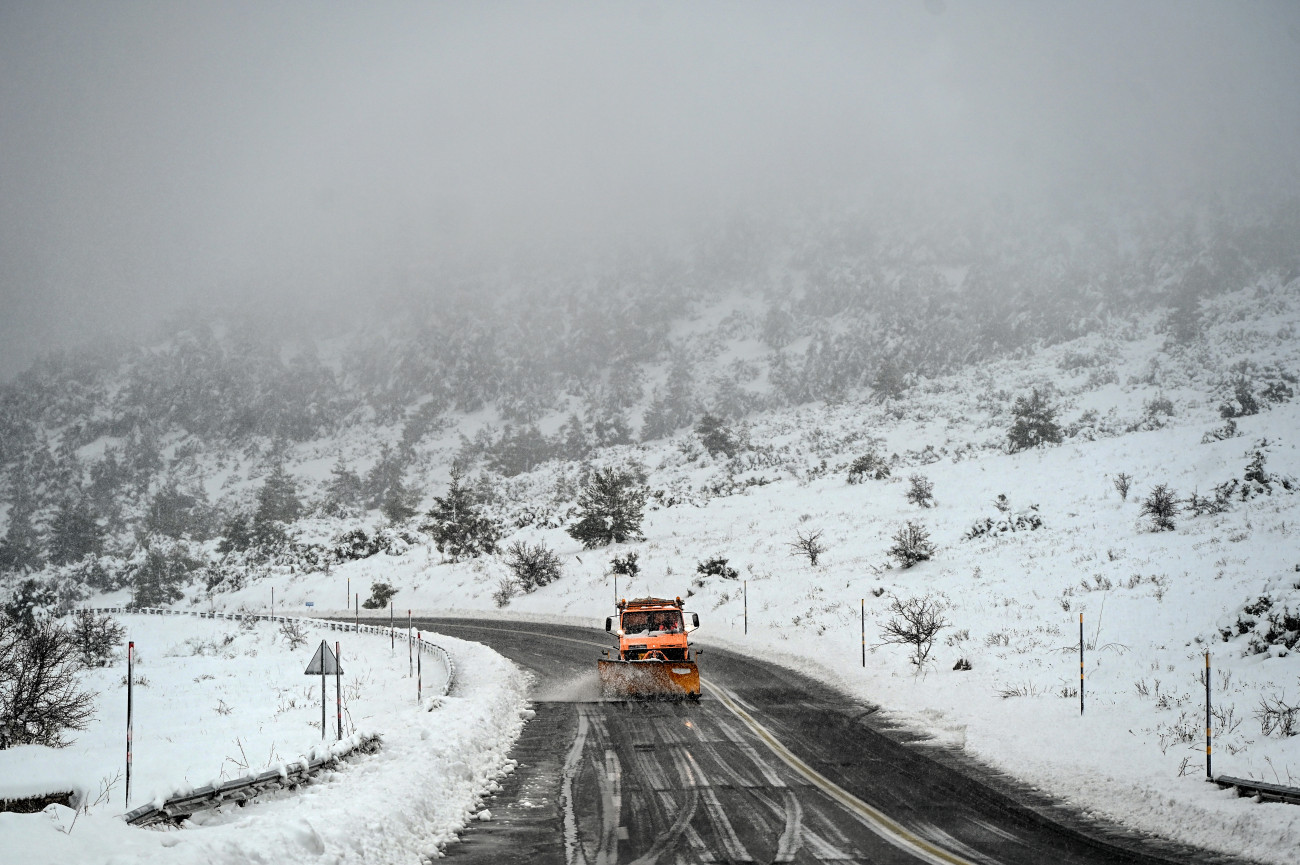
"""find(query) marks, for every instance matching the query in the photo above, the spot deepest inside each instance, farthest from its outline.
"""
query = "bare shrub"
(1123, 483)
(912, 544)
(1162, 506)
(809, 545)
(40, 697)
(921, 491)
(1277, 717)
(294, 633)
(505, 590)
(914, 622)
(533, 565)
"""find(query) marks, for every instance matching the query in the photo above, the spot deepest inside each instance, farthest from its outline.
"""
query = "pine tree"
(175, 514)
(384, 475)
(1035, 423)
(278, 497)
(158, 579)
(20, 548)
(459, 527)
(399, 503)
(609, 507)
(716, 436)
(74, 533)
(344, 487)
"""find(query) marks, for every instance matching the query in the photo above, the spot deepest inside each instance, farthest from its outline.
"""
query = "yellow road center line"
(887, 828)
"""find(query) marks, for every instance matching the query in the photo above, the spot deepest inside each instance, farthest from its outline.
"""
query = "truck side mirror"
(695, 619)
(609, 623)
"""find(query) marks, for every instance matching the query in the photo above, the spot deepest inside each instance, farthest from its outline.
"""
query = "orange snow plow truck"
(654, 659)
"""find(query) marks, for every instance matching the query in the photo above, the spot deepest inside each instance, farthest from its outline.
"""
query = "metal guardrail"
(430, 649)
(240, 790)
(291, 775)
(1264, 791)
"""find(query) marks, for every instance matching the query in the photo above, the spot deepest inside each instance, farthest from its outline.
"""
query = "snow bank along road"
(768, 767)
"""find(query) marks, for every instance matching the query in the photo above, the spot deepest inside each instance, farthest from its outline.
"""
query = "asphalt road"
(769, 766)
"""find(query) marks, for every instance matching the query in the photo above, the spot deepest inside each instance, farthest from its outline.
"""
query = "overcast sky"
(156, 155)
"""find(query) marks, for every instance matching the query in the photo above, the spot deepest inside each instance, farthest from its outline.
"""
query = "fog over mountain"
(314, 159)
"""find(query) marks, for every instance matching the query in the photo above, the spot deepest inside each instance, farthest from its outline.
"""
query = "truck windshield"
(655, 622)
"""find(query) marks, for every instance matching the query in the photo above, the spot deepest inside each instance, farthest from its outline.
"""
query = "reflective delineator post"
(356, 621)
(272, 603)
(338, 686)
(345, 597)
(130, 664)
(864, 633)
(745, 591)
(419, 670)
(323, 692)
(1209, 776)
(1081, 663)
(410, 647)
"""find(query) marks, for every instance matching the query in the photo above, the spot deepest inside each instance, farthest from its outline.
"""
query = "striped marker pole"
(410, 661)
(746, 591)
(1080, 664)
(130, 663)
(864, 633)
(392, 633)
(1209, 776)
(419, 670)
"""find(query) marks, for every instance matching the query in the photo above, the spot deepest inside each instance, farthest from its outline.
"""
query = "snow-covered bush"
(914, 622)
(868, 466)
(40, 698)
(714, 567)
(921, 491)
(1035, 423)
(380, 594)
(1026, 521)
(533, 565)
(912, 544)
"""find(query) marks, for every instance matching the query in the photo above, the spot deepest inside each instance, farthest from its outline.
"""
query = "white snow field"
(214, 700)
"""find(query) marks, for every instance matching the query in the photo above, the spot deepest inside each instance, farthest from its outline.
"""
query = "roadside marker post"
(419, 670)
(356, 622)
(273, 603)
(392, 633)
(1080, 664)
(410, 647)
(745, 589)
(1209, 776)
(345, 597)
(130, 664)
(338, 689)
(864, 633)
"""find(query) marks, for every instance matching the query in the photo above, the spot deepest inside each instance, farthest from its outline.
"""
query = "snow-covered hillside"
(1152, 601)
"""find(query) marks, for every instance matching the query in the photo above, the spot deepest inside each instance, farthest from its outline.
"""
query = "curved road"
(769, 766)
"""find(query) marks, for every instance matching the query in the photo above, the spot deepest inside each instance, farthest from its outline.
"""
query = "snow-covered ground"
(1152, 602)
(214, 700)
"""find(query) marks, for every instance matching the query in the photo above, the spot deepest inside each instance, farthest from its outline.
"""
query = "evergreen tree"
(1035, 423)
(74, 533)
(344, 487)
(384, 475)
(609, 507)
(236, 535)
(175, 514)
(277, 500)
(716, 437)
(157, 580)
(519, 450)
(572, 441)
(459, 527)
(30, 601)
(20, 548)
(399, 503)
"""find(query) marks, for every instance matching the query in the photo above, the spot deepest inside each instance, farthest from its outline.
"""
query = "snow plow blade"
(662, 680)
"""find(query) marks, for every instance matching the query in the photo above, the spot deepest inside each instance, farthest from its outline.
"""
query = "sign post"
(130, 663)
(323, 663)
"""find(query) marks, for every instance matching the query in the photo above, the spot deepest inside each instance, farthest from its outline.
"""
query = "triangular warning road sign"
(323, 662)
